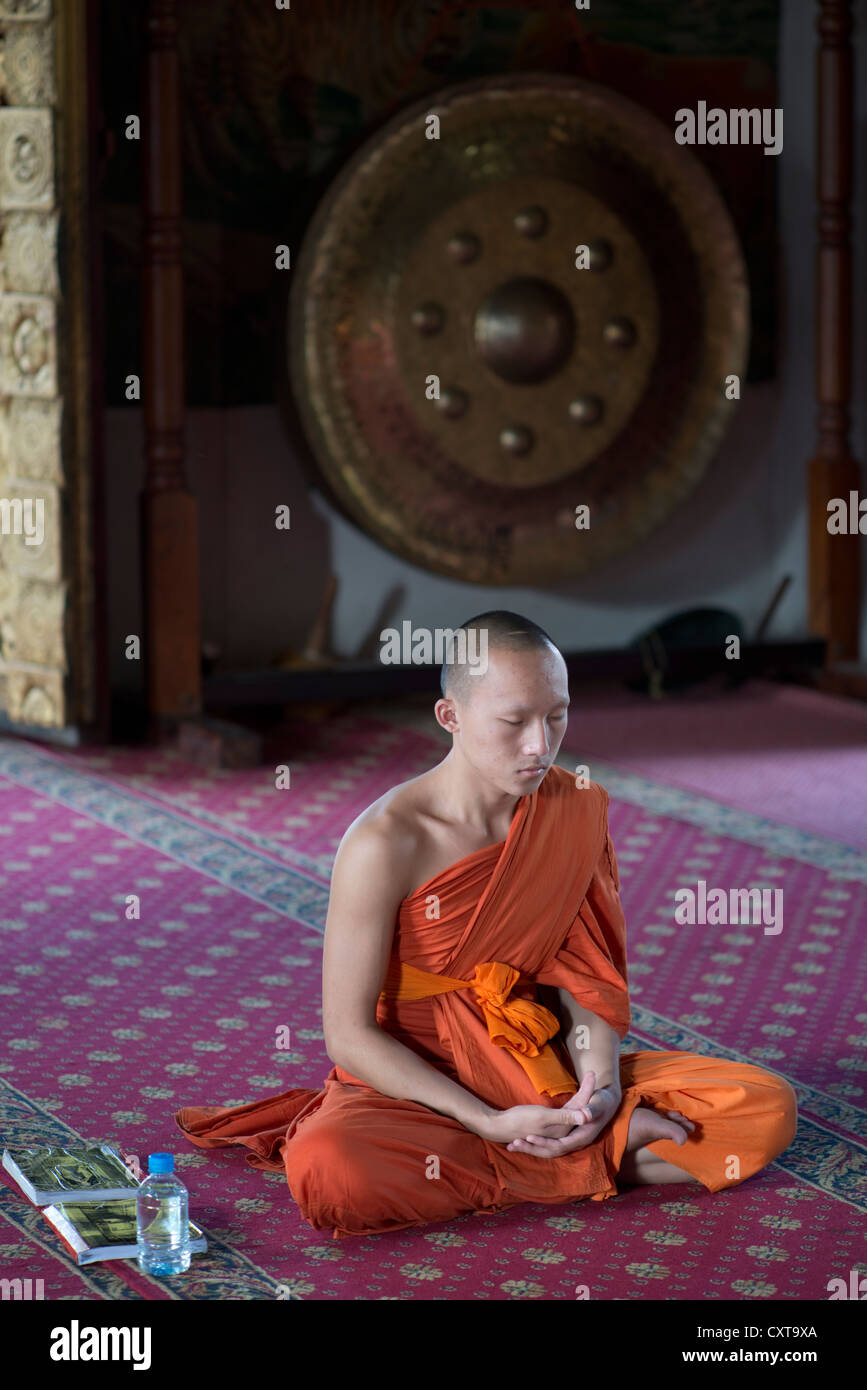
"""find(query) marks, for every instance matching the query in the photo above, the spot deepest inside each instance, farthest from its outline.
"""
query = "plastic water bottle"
(162, 1219)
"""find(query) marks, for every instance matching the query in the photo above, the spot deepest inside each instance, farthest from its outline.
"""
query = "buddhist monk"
(475, 992)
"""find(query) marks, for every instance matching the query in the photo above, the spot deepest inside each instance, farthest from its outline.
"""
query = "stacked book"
(88, 1196)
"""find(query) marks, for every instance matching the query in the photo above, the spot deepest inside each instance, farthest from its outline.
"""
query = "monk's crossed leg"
(744, 1116)
(364, 1164)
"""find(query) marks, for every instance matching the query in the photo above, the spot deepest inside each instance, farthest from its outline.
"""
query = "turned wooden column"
(834, 592)
(168, 513)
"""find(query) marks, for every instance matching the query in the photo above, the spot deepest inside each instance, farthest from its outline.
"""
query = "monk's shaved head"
(504, 631)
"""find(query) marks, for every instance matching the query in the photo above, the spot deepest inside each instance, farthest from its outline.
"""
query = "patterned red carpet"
(110, 1024)
(793, 755)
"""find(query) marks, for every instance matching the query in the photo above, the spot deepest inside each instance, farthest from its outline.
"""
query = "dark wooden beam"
(834, 582)
(168, 515)
(358, 680)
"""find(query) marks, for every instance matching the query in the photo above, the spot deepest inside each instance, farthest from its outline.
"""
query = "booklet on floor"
(70, 1173)
(105, 1231)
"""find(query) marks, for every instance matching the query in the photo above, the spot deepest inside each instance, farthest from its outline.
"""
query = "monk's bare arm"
(602, 1055)
(367, 885)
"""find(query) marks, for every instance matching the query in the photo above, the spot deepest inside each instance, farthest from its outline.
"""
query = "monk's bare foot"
(640, 1164)
(646, 1126)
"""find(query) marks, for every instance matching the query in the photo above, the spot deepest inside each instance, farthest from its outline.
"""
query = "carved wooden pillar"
(169, 523)
(834, 560)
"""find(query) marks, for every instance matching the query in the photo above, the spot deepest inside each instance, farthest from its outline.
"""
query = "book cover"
(70, 1173)
(105, 1231)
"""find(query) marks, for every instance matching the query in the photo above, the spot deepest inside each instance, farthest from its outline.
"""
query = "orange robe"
(470, 948)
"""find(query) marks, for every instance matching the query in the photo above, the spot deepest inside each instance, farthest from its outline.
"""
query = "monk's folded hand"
(578, 1109)
(512, 1126)
(603, 1105)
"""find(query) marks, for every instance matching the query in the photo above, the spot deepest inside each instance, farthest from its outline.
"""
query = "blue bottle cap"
(161, 1163)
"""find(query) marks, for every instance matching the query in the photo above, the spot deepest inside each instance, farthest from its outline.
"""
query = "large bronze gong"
(467, 377)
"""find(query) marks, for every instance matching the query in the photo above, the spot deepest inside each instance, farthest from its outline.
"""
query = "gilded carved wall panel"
(45, 541)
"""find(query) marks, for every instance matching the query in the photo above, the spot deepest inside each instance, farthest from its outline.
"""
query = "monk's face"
(512, 722)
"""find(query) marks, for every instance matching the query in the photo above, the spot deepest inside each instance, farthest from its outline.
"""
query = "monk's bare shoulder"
(386, 836)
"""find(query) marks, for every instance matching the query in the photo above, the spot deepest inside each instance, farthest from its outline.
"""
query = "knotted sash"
(521, 1026)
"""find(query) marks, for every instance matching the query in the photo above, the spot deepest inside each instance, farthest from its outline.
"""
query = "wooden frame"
(834, 576)
(77, 63)
(168, 516)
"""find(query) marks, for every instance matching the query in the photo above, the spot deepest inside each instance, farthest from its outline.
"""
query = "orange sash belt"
(521, 1026)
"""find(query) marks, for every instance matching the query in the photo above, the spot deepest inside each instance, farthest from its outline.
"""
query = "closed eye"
(516, 722)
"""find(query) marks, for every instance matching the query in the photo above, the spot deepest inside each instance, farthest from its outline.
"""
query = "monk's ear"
(446, 715)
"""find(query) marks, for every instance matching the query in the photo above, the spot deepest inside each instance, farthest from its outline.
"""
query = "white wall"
(730, 543)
